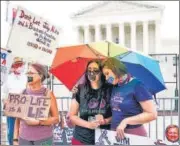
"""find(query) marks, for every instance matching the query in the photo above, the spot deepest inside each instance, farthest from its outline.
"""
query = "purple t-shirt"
(125, 101)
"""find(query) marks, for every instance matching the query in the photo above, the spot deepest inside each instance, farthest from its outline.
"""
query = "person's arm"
(149, 114)
(16, 130)
(105, 121)
(144, 97)
(54, 119)
(75, 119)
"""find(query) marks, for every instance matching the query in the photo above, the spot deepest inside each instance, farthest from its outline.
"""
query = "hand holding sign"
(120, 129)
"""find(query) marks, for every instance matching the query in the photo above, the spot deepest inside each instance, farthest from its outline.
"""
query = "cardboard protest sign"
(107, 137)
(63, 132)
(6, 62)
(33, 38)
(22, 106)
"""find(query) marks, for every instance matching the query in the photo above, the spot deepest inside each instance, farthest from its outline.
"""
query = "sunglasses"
(95, 72)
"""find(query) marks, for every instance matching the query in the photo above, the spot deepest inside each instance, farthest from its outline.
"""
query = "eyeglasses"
(31, 73)
(95, 72)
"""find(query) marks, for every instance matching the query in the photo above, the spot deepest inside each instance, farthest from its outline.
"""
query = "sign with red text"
(27, 106)
(108, 137)
(33, 37)
(6, 62)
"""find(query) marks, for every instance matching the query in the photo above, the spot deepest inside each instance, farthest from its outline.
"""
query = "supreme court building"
(133, 24)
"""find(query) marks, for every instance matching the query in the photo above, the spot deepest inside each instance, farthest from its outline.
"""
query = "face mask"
(20, 69)
(91, 76)
(110, 80)
(29, 79)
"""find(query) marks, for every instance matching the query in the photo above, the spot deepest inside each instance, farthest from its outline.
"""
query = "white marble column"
(133, 35)
(108, 32)
(145, 37)
(121, 34)
(77, 34)
(97, 32)
(157, 35)
(86, 34)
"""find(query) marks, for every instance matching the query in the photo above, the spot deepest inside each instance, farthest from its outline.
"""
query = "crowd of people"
(109, 98)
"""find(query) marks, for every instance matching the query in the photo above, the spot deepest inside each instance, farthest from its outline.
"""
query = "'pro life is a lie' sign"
(22, 106)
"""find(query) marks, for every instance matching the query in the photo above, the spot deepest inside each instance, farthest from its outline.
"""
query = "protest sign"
(63, 132)
(33, 37)
(22, 106)
(107, 137)
(6, 62)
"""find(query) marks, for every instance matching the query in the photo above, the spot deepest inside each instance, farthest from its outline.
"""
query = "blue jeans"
(10, 129)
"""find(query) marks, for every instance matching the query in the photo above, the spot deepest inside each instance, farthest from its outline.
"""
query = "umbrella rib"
(124, 54)
(92, 50)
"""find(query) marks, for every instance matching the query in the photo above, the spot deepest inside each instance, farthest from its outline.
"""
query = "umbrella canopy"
(141, 66)
(108, 49)
(70, 63)
(145, 68)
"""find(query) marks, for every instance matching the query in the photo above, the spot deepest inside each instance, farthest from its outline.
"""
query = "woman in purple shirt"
(32, 131)
(131, 103)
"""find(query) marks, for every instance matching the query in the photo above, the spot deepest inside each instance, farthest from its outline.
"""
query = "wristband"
(15, 139)
(39, 123)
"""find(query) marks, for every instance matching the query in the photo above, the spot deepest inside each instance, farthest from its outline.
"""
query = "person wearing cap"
(131, 103)
(15, 83)
(33, 131)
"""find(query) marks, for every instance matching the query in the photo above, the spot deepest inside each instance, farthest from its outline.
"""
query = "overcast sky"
(58, 12)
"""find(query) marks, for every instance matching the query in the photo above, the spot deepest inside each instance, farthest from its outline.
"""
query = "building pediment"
(116, 7)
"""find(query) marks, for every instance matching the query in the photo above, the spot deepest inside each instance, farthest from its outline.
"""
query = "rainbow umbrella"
(139, 65)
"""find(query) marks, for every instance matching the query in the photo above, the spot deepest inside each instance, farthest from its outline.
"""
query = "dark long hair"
(87, 82)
